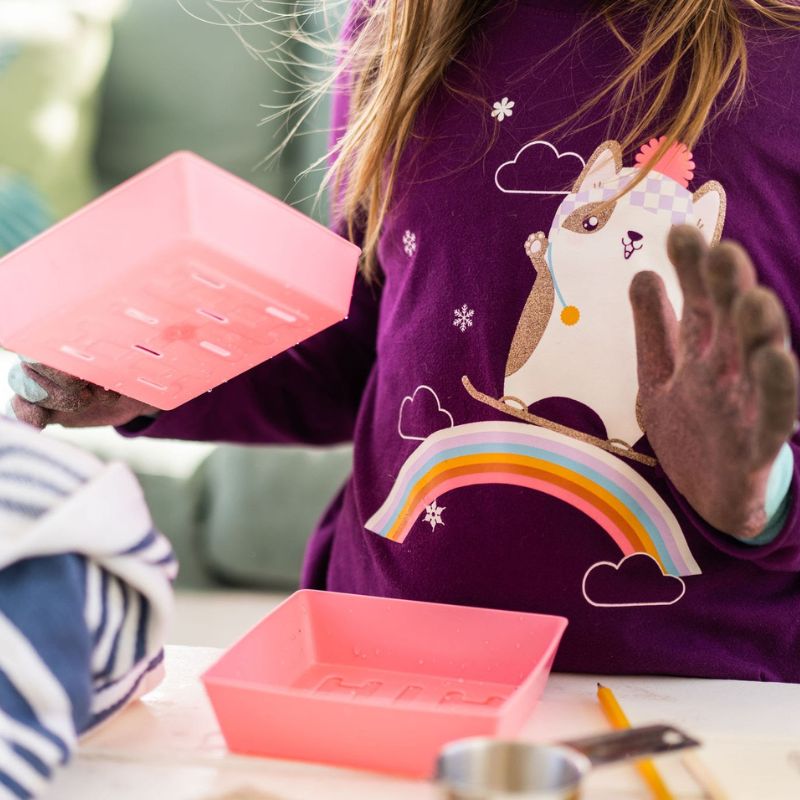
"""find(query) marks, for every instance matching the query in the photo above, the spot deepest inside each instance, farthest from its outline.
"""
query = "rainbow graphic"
(601, 485)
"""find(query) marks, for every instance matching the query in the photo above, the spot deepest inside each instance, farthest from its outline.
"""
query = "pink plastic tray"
(172, 283)
(379, 684)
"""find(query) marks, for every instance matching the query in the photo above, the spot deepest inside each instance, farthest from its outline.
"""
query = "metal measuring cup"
(493, 769)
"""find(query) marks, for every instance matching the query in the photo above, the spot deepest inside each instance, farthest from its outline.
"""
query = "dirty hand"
(717, 389)
(46, 396)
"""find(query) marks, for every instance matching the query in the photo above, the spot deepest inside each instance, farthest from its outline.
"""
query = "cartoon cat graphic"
(575, 337)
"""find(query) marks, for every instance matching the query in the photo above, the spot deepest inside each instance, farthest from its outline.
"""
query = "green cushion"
(177, 83)
(24, 211)
(259, 506)
(52, 61)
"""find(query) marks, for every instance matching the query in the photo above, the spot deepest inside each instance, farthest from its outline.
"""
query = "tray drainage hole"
(279, 313)
(212, 315)
(206, 281)
(71, 351)
(152, 384)
(134, 313)
(215, 348)
(147, 350)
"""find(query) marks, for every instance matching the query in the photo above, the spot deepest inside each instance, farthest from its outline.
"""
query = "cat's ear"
(708, 204)
(603, 166)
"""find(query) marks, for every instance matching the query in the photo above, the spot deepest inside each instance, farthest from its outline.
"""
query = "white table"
(168, 747)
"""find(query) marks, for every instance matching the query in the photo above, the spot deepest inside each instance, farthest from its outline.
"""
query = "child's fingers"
(55, 376)
(775, 375)
(30, 413)
(729, 275)
(24, 385)
(86, 418)
(688, 251)
(108, 409)
(656, 328)
(760, 320)
(68, 394)
(46, 396)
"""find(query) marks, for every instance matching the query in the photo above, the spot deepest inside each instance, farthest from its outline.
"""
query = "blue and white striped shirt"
(85, 598)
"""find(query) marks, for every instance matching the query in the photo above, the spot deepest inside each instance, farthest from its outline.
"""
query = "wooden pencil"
(697, 768)
(645, 767)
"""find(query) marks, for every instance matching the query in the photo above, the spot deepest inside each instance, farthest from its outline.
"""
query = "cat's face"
(596, 248)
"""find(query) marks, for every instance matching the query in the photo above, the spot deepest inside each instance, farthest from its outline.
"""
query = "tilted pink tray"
(172, 283)
(379, 684)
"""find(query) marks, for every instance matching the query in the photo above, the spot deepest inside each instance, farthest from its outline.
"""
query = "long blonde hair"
(401, 49)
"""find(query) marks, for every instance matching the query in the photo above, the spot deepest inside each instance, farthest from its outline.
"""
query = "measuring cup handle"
(650, 740)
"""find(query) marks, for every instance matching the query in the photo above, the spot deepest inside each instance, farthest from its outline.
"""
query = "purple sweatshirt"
(503, 303)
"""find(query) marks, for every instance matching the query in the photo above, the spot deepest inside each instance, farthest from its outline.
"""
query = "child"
(84, 600)
(525, 436)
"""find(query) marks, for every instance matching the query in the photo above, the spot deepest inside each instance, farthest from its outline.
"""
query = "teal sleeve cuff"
(778, 497)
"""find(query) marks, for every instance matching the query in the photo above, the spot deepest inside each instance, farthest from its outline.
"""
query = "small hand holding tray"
(174, 282)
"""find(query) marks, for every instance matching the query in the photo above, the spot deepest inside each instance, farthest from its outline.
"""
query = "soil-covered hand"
(46, 396)
(717, 389)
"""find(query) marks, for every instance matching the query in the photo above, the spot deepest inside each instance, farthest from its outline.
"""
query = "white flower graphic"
(433, 514)
(410, 243)
(502, 109)
(463, 317)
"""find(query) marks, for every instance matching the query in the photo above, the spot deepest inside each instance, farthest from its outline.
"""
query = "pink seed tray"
(379, 684)
(174, 282)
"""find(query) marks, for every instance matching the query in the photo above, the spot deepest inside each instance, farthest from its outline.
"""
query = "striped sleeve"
(85, 597)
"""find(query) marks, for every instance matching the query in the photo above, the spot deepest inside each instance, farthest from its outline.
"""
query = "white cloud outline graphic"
(536, 191)
(616, 568)
(409, 398)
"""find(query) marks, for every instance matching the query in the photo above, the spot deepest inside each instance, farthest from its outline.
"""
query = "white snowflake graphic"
(463, 317)
(433, 514)
(410, 243)
(502, 109)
